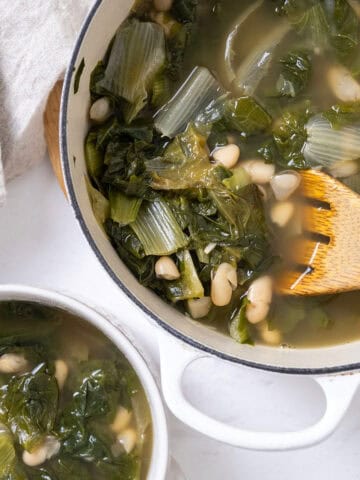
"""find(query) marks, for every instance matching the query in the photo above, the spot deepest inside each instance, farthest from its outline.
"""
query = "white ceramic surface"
(159, 458)
(91, 46)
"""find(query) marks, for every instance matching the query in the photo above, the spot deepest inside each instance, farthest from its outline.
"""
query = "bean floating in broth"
(71, 406)
(203, 113)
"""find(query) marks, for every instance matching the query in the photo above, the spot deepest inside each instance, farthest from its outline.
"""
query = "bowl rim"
(65, 161)
(160, 445)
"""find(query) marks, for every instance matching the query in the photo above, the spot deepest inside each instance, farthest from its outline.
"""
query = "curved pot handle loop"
(338, 390)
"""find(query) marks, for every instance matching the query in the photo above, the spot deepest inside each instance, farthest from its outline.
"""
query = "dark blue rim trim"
(75, 205)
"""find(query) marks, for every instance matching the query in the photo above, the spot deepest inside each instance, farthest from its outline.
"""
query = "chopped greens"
(137, 55)
(295, 74)
(190, 81)
(239, 326)
(74, 419)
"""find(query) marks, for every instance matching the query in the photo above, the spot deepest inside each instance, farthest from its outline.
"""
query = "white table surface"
(41, 245)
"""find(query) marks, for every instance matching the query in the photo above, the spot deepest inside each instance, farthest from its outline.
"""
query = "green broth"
(205, 218)
(76, 408)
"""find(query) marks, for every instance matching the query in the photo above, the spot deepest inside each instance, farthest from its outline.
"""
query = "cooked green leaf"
(185, 163)
(246, 115)
(188, 285)
(198, 91)
(99, 203)
(29, 407)
(295, 73)
(123, 209)
(290, 136)
(239, 325)
(137, 55)
(93, 156)
(157, 229)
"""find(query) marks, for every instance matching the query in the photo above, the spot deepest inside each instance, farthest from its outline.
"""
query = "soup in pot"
(71, 405)
(203, 113)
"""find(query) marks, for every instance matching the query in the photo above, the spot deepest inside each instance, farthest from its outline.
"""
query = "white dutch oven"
(190, 340)
(159, 458)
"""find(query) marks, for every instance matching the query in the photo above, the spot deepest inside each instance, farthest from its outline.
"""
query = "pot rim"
(74, 203)
(160, 446)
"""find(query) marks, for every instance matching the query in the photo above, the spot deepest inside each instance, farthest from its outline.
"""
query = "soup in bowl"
(73, 403)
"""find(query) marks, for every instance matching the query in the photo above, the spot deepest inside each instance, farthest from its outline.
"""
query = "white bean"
(166, 268)
(281, 213)
(100, 110)
(200, 307)
(227, 156)
(128, 439)
(345, 169)
(259, 171)
(61, 372)
(122, 419)
(271, 337)
(43, 452)
(260, 296)
(163, 5)
(223, 284)
(343, 84)
(13, 363)
(285, 184)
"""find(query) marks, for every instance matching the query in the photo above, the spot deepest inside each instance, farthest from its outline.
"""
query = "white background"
(41, 244)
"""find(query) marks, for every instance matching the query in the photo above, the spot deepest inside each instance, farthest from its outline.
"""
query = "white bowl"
(160, 453)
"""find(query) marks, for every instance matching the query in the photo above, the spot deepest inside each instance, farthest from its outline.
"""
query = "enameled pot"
(159, 458)
(188, 339)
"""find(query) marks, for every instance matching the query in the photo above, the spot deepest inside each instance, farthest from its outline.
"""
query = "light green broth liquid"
(77, 410)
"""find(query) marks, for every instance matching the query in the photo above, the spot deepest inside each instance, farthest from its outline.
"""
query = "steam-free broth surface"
(194, 156)
(71, 405)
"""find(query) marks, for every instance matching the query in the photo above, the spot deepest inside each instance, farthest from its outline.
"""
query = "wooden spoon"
(51, 125)
(328, 257)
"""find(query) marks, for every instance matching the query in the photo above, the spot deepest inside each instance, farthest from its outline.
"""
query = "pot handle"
(176, 357)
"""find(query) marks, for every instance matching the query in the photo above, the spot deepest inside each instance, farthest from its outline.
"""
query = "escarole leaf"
(29, 407)
(137, 55)
(343, 114)
(295, 73)
(99, 203)
(246, 115)
(345, 29)
(327, 146)
(123, 209)
(308, 17)
(158, 230)
(7, 453)
(239, 179)
(131, 252)
(239, 325)
(93, 156)
(290, 135)
(188, 285)
(197, 92)
(185, 163)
